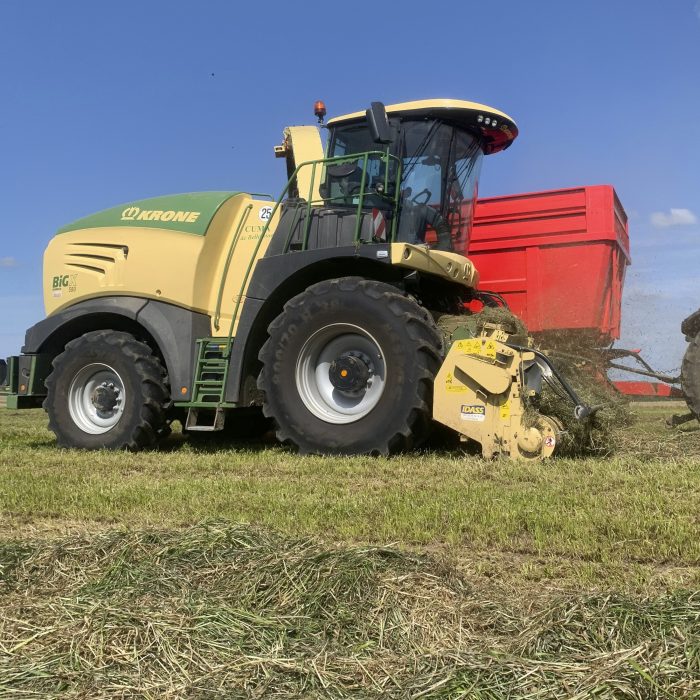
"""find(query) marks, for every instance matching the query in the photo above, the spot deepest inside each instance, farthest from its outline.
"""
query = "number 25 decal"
(265, 213)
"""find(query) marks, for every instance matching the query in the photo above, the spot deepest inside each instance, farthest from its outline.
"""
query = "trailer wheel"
(690, 375)
(107, 390)
(349, 368)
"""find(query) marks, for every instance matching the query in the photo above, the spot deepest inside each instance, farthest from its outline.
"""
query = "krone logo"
(136, 214)
(130, 213)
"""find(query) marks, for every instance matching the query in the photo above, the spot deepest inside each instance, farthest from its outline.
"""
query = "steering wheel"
(341, 173)
(350, 187)
(427, 192)
(341, 170)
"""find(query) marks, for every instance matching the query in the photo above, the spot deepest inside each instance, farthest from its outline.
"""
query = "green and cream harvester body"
(333, 313)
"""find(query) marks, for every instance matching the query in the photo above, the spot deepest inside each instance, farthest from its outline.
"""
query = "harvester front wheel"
(349, 368)
(107, 390)
(690, 375)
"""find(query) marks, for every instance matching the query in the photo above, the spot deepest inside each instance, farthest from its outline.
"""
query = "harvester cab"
(335, 313)
(399, 174)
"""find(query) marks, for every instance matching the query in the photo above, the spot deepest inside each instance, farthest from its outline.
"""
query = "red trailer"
(558, 258)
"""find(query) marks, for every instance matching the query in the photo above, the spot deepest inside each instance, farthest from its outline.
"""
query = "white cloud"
(8, 262)
(676, 217)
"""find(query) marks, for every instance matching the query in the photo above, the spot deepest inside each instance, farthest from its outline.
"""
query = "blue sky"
(102, 103)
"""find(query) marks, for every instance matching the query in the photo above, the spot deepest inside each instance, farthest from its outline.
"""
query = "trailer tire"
(690, 375)
(349, 369)
(107, 390)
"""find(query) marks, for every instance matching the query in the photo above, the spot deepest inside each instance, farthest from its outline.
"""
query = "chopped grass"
(639, 507)
(233, 611)
(595, 436)
(236, 571)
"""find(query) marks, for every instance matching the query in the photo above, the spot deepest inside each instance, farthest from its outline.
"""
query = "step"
(213, 419)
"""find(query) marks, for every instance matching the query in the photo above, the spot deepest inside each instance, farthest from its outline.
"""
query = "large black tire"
(407, 340)
(690, 375)
(138, 422)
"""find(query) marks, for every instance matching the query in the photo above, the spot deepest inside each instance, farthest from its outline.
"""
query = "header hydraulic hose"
(582, 411)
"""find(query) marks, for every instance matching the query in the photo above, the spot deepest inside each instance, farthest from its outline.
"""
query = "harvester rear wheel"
(690, 375)
(349, 368)
(107, 391)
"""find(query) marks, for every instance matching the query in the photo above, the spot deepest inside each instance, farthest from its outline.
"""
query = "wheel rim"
(313, 373)
(96, 398)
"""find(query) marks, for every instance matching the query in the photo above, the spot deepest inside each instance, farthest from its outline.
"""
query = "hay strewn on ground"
(220, 610)
(597, 435)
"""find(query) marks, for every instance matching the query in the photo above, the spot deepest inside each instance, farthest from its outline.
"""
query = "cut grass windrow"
(575, 578)
(222, 610)
(638, 507)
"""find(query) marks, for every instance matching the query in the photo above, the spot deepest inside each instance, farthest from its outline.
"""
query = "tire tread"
(690, 375)
(428, 346)
(152, 423)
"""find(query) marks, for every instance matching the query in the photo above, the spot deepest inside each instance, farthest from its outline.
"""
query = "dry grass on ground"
(633, 515)
(427, 575)
(233, 611)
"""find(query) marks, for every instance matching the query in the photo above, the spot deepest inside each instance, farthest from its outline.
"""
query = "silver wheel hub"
(340, 373)
(96, 398)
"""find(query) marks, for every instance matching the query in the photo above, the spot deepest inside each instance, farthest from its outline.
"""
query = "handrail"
(335, 160)
(308, 208)
(384, 156)
(360, 199)
(227, 264)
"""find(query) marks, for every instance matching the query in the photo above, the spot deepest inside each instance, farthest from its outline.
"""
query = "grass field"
(247, 571)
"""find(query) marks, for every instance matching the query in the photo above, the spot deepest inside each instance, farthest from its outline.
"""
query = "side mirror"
(378, 123)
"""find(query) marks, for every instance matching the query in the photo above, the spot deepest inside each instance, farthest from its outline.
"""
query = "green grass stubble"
(572, 578)
(637, 508)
